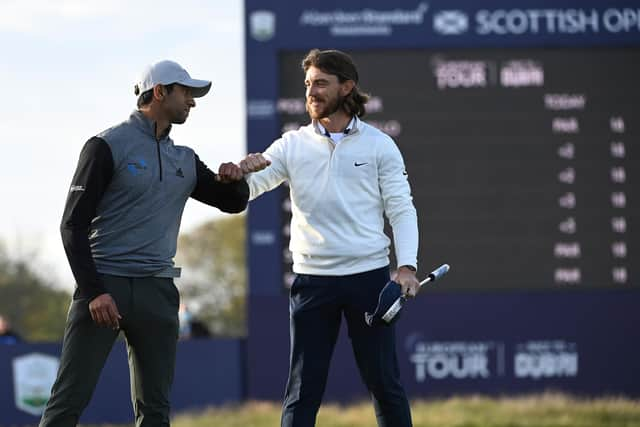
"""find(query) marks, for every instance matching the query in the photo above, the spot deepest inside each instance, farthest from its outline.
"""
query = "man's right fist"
(254, 162)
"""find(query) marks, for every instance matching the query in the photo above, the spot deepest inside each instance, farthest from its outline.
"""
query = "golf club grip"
(436, 274)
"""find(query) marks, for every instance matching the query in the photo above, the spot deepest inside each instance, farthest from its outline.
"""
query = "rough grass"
(545, 410)
(548, 410)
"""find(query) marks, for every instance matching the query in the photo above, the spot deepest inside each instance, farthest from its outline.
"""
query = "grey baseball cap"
(168, 72)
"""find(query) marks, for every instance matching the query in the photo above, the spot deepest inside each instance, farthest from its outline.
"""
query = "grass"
(546, 410)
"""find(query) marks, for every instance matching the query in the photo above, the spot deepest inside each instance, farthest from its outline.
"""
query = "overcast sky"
(67, 72)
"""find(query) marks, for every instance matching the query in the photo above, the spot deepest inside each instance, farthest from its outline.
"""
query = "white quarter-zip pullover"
(339, 193)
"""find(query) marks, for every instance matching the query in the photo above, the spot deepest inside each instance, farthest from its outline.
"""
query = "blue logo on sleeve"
(136, 168)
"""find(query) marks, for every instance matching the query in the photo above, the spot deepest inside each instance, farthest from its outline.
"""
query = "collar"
(351, 127)
(148, 126)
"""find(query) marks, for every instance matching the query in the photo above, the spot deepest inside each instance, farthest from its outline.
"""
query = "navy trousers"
(317, 304)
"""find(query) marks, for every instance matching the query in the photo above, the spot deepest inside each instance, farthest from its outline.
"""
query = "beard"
(179, 117)
(326, 107)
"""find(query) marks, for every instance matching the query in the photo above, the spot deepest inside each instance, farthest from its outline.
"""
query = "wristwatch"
(410, 267)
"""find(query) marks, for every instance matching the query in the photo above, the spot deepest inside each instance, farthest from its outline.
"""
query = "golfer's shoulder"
(375, 136)
(295, 138)
(117, 135)
(300, 133)
(181, 150)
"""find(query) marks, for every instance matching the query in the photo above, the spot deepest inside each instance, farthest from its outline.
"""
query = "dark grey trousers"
(149, 310)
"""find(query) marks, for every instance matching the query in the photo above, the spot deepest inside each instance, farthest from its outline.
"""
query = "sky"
(67, 70)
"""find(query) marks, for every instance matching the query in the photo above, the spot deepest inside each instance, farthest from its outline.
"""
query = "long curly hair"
(342, 66)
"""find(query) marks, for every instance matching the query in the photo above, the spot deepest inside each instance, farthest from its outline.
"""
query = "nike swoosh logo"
(356, 164)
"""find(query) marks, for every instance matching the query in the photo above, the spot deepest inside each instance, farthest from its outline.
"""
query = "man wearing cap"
(119, 229)
(344, 175)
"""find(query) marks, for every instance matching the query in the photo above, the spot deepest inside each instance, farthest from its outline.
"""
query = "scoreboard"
(520, 160)
(519, 124)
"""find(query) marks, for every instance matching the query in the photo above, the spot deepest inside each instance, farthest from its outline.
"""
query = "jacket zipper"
(159, 158)
(333, 147)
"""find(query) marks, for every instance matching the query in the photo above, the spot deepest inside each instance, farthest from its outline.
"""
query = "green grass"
(547, 410)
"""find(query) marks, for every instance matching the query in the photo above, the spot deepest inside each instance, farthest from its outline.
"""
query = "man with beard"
(119, 229)
(344, 175)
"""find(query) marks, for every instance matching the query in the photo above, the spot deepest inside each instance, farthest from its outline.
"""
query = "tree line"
(213, 286)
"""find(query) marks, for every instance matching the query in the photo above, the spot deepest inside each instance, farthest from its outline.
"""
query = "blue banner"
(208, 372)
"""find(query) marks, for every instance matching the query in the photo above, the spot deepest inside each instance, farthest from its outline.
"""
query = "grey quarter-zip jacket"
(124, 207)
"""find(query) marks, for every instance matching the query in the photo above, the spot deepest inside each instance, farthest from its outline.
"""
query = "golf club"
(391, 299)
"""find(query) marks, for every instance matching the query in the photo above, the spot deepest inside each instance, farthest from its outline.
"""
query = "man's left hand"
(407, 280)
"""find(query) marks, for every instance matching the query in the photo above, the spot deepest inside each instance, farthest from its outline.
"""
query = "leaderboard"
(522, 162)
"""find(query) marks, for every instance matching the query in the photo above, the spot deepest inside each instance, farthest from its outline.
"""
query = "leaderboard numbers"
(617, 124)
(617, 150)
(568, 250)
(618, 177)
(618, 199)
(567, 151)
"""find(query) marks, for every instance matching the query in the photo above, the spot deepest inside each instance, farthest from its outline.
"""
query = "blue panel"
(208, 372)
(9, 414)
(544, 334)
(469, 343)
(264, 241)
(267, 346)
(364, 24)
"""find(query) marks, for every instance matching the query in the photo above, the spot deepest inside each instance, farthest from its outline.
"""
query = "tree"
(214, 283)
(36, 310)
